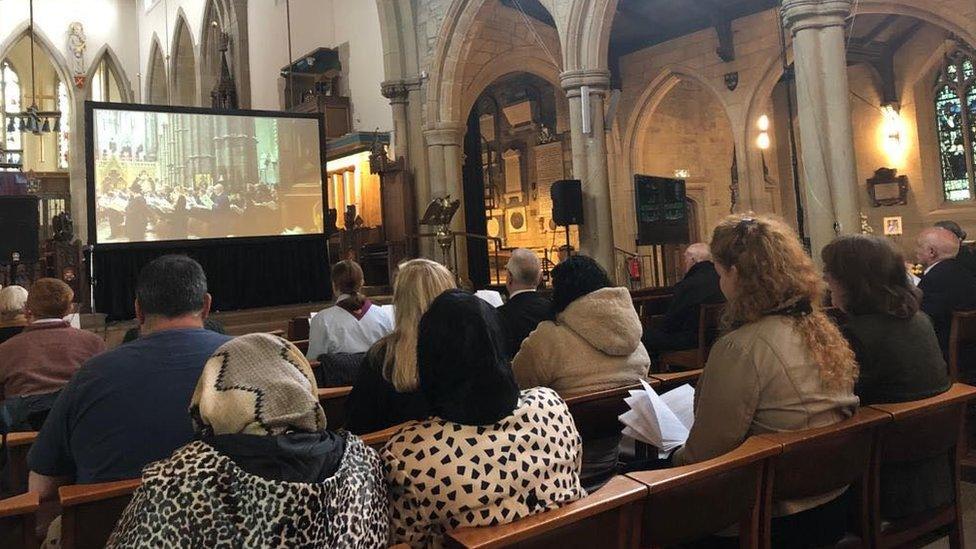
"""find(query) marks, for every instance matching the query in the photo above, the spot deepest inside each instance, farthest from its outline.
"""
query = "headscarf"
(257, 384)
(464, 373)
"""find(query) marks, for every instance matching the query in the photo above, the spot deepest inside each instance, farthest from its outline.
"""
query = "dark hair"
(347, 277)
(873, 275)
(579, 275)
(171, 286)
(462, 365)
(953, 228)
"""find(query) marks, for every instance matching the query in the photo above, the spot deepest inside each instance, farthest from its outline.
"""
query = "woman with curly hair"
(782, 365)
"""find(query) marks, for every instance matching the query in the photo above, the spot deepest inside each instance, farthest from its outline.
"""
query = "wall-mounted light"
(682, 174)
(763, 141)
(892, 136)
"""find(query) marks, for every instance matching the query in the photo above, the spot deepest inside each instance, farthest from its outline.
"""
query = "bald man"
(525, 308)
(699, 286)
(946, 284)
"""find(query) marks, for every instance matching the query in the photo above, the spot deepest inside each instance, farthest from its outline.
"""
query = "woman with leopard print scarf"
(264, 471)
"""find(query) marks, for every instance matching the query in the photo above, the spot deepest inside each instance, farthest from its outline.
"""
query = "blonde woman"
(387, 391)
(781, 366)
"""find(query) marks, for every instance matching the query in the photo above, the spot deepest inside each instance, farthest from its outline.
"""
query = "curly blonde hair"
(774, 273)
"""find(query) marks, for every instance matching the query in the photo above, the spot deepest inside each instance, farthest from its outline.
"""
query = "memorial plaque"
(549, 168)
(513, 171)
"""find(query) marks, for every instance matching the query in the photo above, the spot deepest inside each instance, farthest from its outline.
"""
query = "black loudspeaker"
(567, 202)
(19, 228)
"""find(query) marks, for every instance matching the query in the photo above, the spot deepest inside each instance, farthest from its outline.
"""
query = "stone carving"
(77, 44)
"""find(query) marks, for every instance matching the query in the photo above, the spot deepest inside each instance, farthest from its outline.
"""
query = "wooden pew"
(608, 518)
(297, 328)
(278, 333)
(919, 430)
(650, 307)
(688, 503)
(670, 380)
(17, 521)
(333, 400)
(302, 345)
(89, 512)
(816, 461)
(378, 439)
(708, 321)
(19, 444)
(962, 333)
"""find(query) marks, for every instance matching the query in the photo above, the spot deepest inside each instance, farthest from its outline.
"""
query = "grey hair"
(12, 300)
(525, 267)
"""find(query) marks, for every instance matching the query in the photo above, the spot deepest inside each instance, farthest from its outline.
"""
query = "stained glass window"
(11, 95)
(64, 106)
(955, 113)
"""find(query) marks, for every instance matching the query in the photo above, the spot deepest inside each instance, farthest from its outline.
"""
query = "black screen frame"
(91, 106)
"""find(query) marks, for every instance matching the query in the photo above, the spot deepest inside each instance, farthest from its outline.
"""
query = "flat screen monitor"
(165, 174)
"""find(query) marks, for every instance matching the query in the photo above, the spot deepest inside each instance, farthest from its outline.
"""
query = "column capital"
(395, 90)
(444, 134)
(598, 79)
(806, 14)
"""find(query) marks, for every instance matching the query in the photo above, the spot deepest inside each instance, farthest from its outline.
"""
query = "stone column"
(590, 162)
(398, 94)
(444, 178)
(824, 116)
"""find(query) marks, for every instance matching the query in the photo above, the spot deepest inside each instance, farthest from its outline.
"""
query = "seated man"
(967, 254)
(525, 308)
(128, 407)
(42, 358)
(698, 287)
(946, 284)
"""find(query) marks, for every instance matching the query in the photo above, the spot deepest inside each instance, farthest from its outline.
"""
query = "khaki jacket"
(594, 344)
(760, 379)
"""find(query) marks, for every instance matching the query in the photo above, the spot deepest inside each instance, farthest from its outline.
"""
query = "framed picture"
(892, 226)
(517, 222)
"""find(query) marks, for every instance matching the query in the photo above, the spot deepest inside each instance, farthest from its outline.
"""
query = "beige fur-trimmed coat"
(594, 344)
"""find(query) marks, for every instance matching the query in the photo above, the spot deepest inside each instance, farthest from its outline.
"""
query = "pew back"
(691, 502)
(595, 414)
(962, 334)
(89, 512)
(607, 518)
(297, 328)
(17, 521)
(18, 445)
(333, 400)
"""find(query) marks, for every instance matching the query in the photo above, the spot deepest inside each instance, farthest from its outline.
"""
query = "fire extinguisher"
(634, 269)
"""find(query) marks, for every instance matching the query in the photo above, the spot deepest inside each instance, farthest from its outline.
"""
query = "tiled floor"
(969, 518)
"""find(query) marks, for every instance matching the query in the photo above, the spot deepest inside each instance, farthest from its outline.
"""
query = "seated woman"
(386, 392)
(594, 344)
(13, 318)
(897, 351)
(490, 454)
(265, 472)
(353, 325)
(782, 366)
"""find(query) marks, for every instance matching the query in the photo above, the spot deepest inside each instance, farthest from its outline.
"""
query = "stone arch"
(230, 17)
(44, 45)
(587, 34)
(183, 64)
(938, 14)
(518, 61)
(157, 88)
(444, 96)
(107, 54)
(628, 140)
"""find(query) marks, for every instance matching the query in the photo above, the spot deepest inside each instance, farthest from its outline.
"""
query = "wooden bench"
(608, 518)
(962, 333)
(708, 331)
(18, 445)
(921, 430)
(17, 522)
(817, 461)
(298, 328)
(670, 380)
(89, 512)
(333, 400)
(688, 503)
(302, 345)
(378, 439)
(651, 306)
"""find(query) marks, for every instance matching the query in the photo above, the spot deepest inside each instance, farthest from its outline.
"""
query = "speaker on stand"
(567, 204)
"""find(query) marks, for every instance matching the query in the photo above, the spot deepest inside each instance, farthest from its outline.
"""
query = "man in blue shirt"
(128, 407)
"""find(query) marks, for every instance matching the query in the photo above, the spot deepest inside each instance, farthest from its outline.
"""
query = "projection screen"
(171, 174)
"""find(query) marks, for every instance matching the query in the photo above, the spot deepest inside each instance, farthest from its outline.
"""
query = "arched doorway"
(516, 146)
(184, 66)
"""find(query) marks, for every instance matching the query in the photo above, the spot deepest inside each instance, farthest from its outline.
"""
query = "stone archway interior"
(104, 85)
(158, 91)
(185, 70)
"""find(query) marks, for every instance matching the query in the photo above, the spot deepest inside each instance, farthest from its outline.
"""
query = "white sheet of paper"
(651, 420)
(681, 401)
(74, 319)
(491, 296)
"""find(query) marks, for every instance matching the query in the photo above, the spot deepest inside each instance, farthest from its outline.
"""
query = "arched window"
(955, 111)
(64, 128)
(10, 130)
(104, 85)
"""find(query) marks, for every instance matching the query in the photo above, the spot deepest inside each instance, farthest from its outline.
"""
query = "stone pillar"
(824, 116)
(398, 94)
(590, 162)
(444, 178)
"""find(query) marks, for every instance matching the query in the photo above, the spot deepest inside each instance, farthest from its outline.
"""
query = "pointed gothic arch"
(183, 64)
(157, 87)
(106, 63)
(224, 17)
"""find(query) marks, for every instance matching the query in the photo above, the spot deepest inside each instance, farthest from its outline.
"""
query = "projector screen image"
(187, 176)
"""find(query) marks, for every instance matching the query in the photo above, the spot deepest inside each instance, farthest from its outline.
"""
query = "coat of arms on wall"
(732, 81)
(887, 188)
